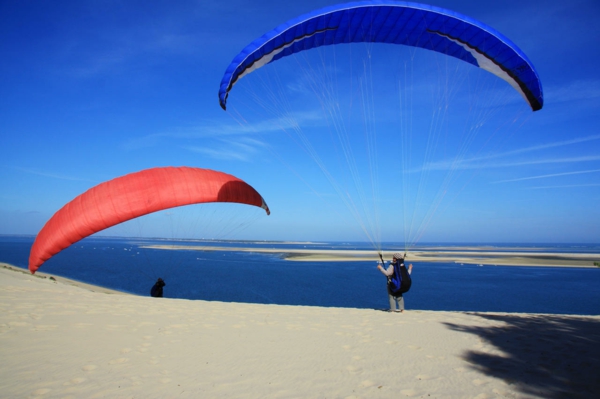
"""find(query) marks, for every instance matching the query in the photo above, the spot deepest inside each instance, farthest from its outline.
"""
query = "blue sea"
(230, 276)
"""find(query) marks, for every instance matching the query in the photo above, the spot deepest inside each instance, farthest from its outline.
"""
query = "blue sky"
(94, 90)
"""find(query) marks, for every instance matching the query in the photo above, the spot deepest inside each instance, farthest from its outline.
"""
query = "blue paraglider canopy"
(392, 22)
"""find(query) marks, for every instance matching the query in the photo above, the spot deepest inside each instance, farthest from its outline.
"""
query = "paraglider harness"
(399, 282)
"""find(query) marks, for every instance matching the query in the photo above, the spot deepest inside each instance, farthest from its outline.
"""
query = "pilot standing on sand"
(396, 301)
(157, 289)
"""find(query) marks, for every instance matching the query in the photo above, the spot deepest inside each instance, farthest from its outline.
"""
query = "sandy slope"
(59, 340)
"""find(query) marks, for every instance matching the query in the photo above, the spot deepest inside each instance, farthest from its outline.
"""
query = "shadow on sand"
(543, 356)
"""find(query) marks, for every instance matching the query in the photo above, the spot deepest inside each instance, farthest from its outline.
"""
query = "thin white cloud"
(38, 172)
(565, 186)
(470, 164)
(547, 145)
(574, 91)
(115, 50)
(98, 65)
(484, 161)
(550, 175)
(587, 158)
(218, 153)
(244, 149)
(211, 131)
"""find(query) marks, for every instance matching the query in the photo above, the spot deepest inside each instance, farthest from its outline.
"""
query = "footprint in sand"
(294, 327)
(478, 382)
(75, 381)
(179, 326)
(120, 360)
(354, 369)
(89, 367)
(423, 377)
(145, 324)
(125, 350)
(113, 327)
(144, 347)
(409, 392)
(82, 325)
(18, 324)
(41, 391)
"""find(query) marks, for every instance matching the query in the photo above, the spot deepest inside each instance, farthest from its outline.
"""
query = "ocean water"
(230, 276)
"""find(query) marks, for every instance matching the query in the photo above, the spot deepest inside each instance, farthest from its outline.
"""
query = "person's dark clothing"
(157, 289)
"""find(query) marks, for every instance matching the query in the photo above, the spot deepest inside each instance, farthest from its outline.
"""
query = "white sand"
(58, 340)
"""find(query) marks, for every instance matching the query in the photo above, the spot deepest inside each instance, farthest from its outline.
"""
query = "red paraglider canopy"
(134, 195)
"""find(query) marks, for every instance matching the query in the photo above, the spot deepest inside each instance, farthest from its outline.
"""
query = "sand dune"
(59, 340)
